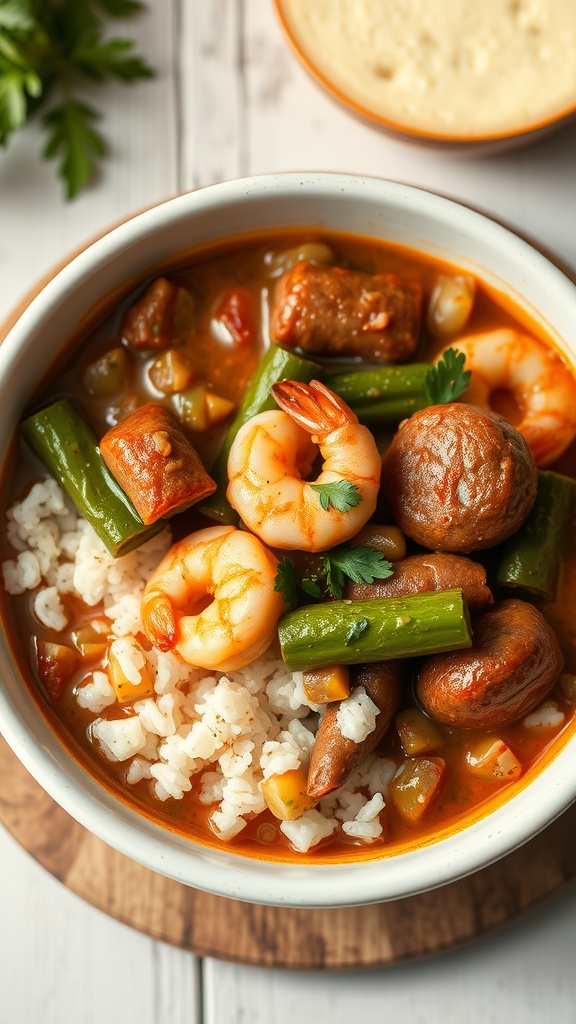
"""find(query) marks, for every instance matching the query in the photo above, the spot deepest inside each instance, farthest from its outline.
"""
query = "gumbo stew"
(290, 548)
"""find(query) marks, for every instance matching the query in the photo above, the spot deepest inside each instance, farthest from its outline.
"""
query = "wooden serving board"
(358, 937)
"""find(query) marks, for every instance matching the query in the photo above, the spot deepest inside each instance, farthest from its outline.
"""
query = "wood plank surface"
(339, 939)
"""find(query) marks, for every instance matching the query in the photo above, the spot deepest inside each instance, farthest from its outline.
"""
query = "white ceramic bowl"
(362, 206)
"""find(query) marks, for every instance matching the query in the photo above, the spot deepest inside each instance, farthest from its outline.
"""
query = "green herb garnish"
(49, 50)
(342, 495)
(361, 565)
(448, 379)
(286, 582)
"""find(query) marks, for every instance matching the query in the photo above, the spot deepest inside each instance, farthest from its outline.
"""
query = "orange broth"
(227, 368)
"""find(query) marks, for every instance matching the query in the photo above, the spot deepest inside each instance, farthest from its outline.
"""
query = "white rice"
(220, 732)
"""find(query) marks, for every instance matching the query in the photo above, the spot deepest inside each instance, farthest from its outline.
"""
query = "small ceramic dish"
(460, 80)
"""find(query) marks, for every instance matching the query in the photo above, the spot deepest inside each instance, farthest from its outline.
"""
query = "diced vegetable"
(56, 666)
(128, 672)
(199, 409)
(388, 540)
(190, 406)
(171, 372)
(451, 304)
(312, 252)
(352, 632)
(531, 558)
(235, 314)
(153, 460)
(68, 448)
(415, 786)
(286, 794)
(386, 394)
(109, 374)
(491, 758)
(418, 734)
(91, 642)
(323, 685)
(217, 408)
(277, 364)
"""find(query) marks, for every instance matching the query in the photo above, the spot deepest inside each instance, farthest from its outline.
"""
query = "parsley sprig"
(335, 567)
(342, 495)
(448, 379)
(49, 50)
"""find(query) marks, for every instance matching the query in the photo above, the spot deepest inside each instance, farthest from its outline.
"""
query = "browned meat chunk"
(334, 756)
(421, 574)
(150, 456)
(459, 478)
(514, 661)
(149, 322)
(331, 311)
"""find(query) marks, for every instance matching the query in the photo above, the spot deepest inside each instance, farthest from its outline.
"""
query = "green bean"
(531, 559)
(385, 394)
(353, 632)
(277, 364)
(69, 449)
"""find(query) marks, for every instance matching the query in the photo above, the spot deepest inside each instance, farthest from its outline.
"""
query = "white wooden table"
(230, 100)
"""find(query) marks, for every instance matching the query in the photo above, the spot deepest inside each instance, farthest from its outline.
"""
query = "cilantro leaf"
(74, 140)
(111, 58)
(448, 379)
(286, 582)
(361, 565)
(50, 48)
(342, 495)
(311, 587)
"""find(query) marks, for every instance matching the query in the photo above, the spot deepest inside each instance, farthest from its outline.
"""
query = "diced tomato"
(56, 666)
(235, 314)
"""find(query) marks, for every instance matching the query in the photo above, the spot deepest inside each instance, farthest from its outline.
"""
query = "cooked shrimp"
(274, 451)
(212, 600)
(541, 384)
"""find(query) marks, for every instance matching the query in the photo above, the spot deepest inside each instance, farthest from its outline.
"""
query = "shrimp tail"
(313, 406)
(159, 621)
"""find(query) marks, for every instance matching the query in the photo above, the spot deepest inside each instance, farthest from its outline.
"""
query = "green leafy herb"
(49, 50)
(311, 587)
(361, 565)
(342, 495)
(448, 379)
(286, 582)
(356, 631)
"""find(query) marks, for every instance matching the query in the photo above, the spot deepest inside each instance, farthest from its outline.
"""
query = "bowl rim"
(448, 140)
(232, 875)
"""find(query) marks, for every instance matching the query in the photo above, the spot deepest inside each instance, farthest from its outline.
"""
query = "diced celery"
(415, 785)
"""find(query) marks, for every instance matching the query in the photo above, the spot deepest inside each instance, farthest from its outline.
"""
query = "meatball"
(514, 661)
(459, 478)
